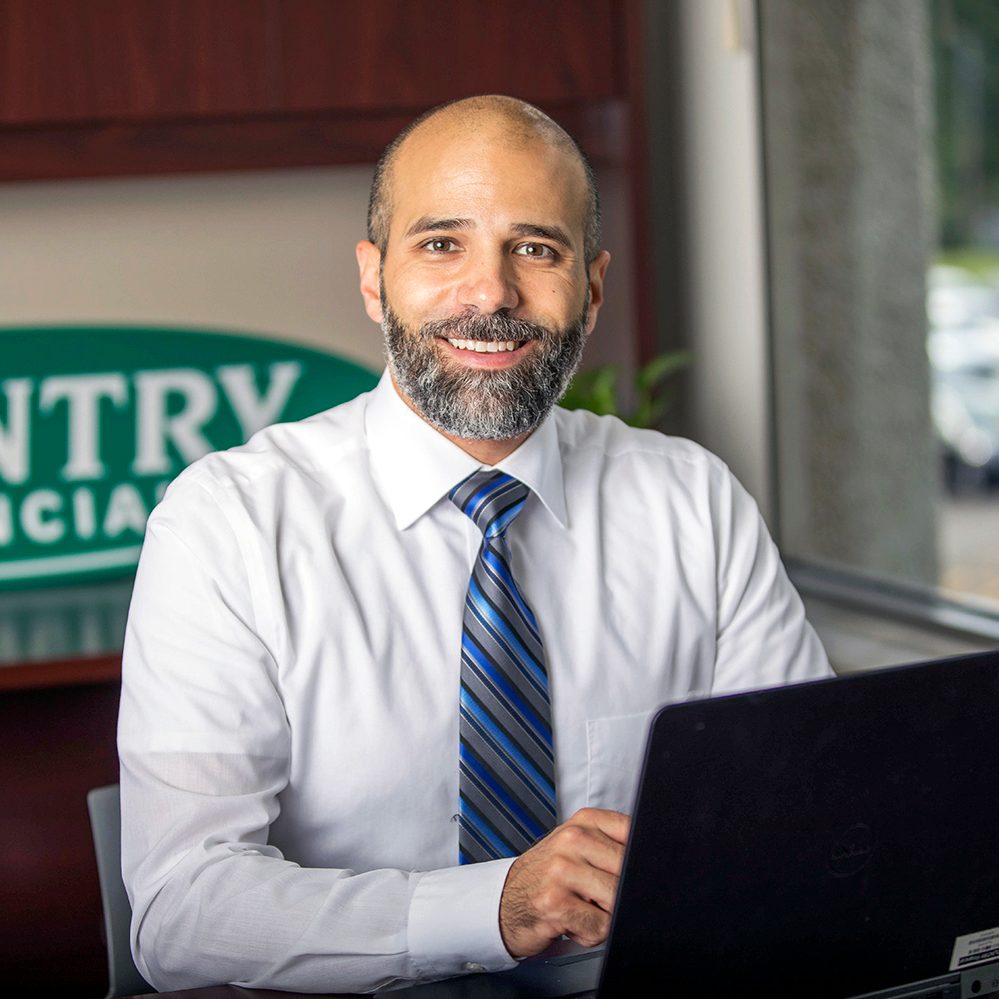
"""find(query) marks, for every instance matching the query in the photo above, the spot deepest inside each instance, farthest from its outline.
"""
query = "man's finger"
(614, 825)
(594, 837)
(588, 926)
(591, 851)
(596, 887)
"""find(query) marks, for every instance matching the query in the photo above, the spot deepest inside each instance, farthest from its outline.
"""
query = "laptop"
(832, 839)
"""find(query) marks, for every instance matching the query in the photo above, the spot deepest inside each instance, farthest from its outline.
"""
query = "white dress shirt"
(289, 717)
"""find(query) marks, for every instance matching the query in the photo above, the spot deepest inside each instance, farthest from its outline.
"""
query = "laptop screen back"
(829, 839)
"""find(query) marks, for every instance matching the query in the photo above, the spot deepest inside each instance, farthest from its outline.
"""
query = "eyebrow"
(552, 232)
(428, 224)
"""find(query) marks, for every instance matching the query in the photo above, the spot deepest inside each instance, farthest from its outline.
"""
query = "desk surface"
(235, 992)
(563, 972)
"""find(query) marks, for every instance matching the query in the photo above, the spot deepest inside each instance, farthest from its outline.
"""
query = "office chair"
(105, 823)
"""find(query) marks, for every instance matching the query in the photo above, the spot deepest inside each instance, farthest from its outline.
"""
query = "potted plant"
(650, 397)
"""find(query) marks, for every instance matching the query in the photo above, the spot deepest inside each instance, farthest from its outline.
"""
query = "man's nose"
(488, 285)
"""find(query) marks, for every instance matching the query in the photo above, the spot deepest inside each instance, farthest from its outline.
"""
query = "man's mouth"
(486, 346)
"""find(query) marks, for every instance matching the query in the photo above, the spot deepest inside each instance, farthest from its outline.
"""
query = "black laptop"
(829, 839)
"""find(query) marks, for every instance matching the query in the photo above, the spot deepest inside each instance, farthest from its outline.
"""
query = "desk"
(552, 981)
(235, 992)
(562, 972)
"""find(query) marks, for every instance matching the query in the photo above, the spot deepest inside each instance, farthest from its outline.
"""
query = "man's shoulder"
(313, 447)
(586, 435)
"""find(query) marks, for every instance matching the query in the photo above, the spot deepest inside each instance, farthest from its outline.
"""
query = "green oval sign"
(96, 421)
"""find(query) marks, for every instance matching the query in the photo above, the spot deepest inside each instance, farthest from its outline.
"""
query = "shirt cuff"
(454, 920)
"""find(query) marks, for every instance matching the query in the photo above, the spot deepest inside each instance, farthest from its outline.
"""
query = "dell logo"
(852, 851)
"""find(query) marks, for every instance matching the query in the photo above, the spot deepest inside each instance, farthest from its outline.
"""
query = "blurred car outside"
(963, 348)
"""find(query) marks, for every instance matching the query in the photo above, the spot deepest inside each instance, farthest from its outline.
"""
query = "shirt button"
(473, 966)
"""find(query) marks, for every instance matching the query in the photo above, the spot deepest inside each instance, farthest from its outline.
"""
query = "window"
(881, 150)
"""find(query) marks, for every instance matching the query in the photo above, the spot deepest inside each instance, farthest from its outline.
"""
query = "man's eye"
(439, 245)
(535, 250)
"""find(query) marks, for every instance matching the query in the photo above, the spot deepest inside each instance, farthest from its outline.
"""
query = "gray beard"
(478, 404)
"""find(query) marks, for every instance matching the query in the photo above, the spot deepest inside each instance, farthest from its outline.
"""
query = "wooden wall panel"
(65, 61)
(122, 149)
(87, 60)
(54, 746)
(93, 88)
(399, 54)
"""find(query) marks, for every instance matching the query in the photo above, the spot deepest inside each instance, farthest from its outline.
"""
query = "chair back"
(124, 979)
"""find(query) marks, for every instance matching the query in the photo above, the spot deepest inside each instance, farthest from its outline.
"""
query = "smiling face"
(483, 291)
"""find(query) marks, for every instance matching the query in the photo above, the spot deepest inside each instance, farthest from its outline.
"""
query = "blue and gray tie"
(506, 780)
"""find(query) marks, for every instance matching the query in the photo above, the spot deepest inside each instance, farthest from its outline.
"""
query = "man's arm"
(763, 637)
(205, 746)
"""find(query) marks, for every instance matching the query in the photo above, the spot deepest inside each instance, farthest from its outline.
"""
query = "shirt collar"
(414, 465)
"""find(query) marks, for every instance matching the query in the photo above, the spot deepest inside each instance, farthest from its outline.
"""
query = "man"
(306, 767)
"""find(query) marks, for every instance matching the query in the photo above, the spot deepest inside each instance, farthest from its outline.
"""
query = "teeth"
(484, 346)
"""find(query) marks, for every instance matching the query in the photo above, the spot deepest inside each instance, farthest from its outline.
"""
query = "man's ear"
(595, 274)
(369, 262)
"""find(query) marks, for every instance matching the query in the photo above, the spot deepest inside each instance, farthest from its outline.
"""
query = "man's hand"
(565, 884)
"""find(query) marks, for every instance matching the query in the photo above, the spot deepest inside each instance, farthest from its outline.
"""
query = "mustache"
(494, 327)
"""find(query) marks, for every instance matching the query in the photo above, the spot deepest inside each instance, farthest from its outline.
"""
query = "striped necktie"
(506, 782)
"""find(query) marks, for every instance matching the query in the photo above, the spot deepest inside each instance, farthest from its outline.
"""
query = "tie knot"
(491, 498)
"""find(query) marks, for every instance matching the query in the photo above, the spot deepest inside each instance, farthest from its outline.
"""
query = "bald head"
(498, 119)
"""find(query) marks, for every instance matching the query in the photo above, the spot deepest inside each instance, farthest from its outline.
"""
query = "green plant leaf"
(661, 367)
(596, 389)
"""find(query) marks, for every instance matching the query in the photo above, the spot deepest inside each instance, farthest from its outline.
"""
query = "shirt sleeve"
(763, 637)
(204, 742)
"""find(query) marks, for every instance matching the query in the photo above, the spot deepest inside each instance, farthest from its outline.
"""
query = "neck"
(486, 451)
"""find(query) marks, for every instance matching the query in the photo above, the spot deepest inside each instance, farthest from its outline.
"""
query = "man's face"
(472, 402)
(483, 293)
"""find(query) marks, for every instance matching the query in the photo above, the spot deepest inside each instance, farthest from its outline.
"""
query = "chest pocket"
(615, 748)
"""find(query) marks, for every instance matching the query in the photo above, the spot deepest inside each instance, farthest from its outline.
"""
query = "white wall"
(723, 219)
(269, 253)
